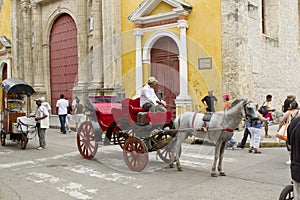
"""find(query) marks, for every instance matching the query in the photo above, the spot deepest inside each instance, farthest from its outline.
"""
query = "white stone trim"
(2, 62)
(145, 57)
(150, 42)
(139, 15)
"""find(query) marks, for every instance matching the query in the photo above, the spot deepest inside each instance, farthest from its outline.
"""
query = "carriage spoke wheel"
(166, 153)
(86, 140)
(287, 193)
(24, 141)
(2, 138)
(135, 154)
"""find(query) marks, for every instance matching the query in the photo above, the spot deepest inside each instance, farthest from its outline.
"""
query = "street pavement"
(60, 172)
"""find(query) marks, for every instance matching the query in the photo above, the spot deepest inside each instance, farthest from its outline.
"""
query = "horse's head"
(249, 111)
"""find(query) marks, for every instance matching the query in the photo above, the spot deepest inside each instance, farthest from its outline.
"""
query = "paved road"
(59, 172)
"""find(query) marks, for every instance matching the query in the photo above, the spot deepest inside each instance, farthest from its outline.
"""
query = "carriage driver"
(149, 101)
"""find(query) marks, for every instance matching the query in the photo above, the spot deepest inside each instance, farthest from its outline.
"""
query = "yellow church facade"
(5, 42)
(178, 42)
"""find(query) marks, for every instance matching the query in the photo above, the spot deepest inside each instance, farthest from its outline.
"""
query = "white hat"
(42, 99)
(152, 79)
(38, 99)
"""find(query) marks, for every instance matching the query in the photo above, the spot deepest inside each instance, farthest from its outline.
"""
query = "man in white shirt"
(148, 100)
(46, 104)
(42, 119)
(62, 111)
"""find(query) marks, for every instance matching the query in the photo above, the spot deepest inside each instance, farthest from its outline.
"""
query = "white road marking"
(37, 161)
(74, 190)
(114, 177)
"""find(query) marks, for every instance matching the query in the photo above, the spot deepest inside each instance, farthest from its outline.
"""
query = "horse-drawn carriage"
(14, 123)
(139, 132)
(126, 124)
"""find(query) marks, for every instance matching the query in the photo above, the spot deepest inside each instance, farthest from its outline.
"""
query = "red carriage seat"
(104, 113)
(131, 107)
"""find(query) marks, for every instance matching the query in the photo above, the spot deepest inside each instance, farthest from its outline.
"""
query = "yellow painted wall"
(5, 19)
(203, 40)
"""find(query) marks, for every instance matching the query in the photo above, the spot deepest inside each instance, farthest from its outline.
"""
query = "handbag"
(282, 132)
(263, 109)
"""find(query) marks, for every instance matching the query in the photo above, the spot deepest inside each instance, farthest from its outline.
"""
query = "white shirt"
(41, 111)
(47, 106)
(62, 105)
(148, 95)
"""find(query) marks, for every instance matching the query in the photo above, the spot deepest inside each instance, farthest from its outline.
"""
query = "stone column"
(112, 46)
(97, 57)
(27, 53)
(138, 61)
(83, 62)
(183, 100)
(39, 78)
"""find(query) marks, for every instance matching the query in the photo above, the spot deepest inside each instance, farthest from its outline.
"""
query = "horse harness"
(206, 118)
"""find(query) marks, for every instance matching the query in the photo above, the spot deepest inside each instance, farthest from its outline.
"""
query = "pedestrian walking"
(78, 113)
(268, 115)
(255, 130)
(209, 101)
(293, 137)
(46, 104)
(62, 111)
(42, 123)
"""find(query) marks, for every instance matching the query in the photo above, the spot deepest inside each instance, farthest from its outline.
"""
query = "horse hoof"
(179, 169)
(214, 175)
(171, 165)
(222, 174)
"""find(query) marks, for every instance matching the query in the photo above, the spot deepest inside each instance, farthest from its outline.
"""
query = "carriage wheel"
(287, 193)
(135, 154)
(24, 141)
(86, 140)
(2, 138)
(117, 133)
(166, 153)
(121, 138)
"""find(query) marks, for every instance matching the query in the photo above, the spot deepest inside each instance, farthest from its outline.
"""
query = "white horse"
(219, 129)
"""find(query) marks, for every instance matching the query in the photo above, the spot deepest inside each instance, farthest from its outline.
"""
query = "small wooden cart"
(16, 94)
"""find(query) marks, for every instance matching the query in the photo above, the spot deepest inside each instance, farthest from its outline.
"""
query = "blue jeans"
(244, 140)
(62, 120)
(231, 141)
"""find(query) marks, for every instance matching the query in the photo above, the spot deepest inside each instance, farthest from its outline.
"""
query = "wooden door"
(63, 58)
(165, 67)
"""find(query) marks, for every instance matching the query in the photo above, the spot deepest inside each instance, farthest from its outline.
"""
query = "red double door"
(63, 58)
(165, 67)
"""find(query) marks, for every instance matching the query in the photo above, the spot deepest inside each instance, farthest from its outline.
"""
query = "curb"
(262, 144)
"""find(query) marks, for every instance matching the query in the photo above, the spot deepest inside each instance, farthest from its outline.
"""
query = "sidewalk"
(238, 135)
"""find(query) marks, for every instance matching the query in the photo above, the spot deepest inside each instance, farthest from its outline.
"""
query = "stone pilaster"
(82, 32)
(27, 53)
(97, 54)
(39, 79)
(138, 61)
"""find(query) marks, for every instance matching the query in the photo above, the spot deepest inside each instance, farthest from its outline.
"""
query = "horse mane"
(236, 102)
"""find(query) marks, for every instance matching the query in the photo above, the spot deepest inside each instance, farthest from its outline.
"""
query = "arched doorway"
(165, 67)
(63, 58)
